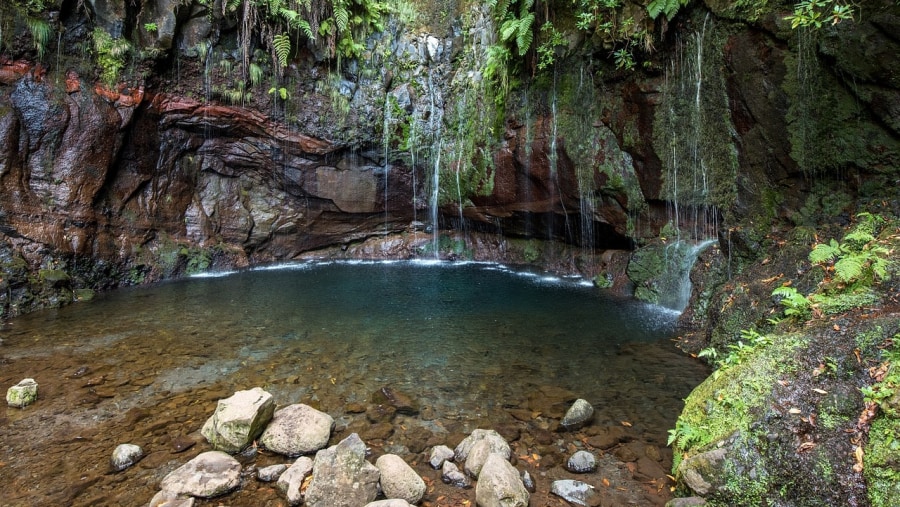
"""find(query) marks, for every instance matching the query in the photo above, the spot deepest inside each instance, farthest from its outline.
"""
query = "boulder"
(22, 394)
(291, 481)
(462, 450)
(691, 501)
(575, 492)
(579, 414)
(439, 454)
(297, 429)
(125, 455)
(499, 485)
(270, 473)
(169, 499)
(210, 474)
(342, 477)
(581, 462)
(451, 474)
(390, 502)
(239, 419)
(479, 453)
(399, 480)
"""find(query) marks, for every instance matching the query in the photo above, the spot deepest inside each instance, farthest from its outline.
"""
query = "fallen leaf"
(626, 424)
(794, 411)
(806, 446)
(605, 482)
(837, 327)
(820, 391)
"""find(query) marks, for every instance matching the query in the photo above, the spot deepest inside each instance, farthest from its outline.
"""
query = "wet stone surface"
(472, 347)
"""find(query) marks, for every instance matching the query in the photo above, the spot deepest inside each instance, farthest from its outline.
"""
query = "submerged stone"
(125, 455)
(581, 462)
(579, 414)
(576, 492)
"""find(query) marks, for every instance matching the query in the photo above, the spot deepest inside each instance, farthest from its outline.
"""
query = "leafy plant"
(796, 305)
(816, 13)
(111, 53)
(667, 7)
(281, 44)
(151, 27)
(858, 260)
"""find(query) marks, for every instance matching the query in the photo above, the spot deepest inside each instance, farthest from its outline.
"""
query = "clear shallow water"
(469, 342)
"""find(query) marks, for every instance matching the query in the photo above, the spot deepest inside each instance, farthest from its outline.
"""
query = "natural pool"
(475, 345)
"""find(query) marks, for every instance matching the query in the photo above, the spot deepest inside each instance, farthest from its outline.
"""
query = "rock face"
(210, 474)
(238, 420)
(297, 429)
(342, 477)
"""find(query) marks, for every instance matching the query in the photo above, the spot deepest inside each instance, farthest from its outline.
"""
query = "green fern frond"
(281, 43)
(501, 9)
(858, 238)
(304, 27)
(341, 17)
(525, 36)
(849, 268)
(825, 252)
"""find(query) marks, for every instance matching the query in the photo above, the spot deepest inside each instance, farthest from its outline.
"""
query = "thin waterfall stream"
(475, 345)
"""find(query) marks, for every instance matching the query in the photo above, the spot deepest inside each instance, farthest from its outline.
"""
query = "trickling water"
(688, 185)
(433, 207)
(469, 342)
(387, 155)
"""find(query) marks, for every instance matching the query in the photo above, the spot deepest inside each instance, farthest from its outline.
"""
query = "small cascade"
(682, 264)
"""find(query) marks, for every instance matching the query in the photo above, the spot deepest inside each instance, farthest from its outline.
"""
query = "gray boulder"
(390, 502)
(440, 454)
(169, 499)
(210, 474)
(22, 394)
(462, 450)
(581, 462)
(450, 474)
(399, 480)
(691, 501)
(499, 485)
(292, 479)
(479, 453)
(239, 419)
(579, 414)
(270, 473)
(342, 477)
(575, 492)
(297, 429)
(125, 455)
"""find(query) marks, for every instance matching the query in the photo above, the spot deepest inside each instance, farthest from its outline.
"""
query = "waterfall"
(386, 134)
(691, 105)
(433, 202)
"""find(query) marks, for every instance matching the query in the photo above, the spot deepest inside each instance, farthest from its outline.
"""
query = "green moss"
(725, 402)
(882, 462)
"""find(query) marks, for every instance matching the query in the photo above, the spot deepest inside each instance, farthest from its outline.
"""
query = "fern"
(525, 36)
(825, 252)
(795, 304)
(256, 74)
(667, 7)
(850, 267)
(281, 43)
(341, 16)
